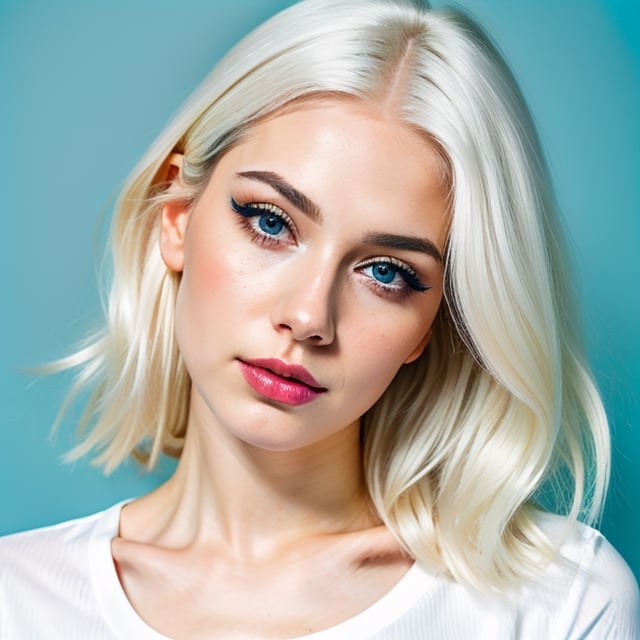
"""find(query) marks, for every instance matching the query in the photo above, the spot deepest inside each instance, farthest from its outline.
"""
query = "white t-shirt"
(60, 583)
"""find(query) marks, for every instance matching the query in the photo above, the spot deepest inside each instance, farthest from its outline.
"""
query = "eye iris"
(384, 273)
(271, 224)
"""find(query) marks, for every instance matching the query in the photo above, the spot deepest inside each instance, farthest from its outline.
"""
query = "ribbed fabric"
(60, 583)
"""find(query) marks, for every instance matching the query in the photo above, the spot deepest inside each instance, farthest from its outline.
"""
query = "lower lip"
(274, 387)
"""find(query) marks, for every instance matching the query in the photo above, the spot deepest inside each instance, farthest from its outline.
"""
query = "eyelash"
(411, 282)
(252, 210)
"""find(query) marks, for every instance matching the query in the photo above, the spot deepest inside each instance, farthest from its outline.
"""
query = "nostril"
(306, 313)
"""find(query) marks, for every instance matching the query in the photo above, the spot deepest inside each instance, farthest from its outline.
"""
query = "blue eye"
(392, 277)
(267, 224)
(271, 224)
(383, 272)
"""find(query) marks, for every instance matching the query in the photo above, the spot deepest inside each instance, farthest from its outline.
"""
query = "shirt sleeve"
(604, 600)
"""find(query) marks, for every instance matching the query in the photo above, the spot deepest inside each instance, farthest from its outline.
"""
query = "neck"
(253, 501)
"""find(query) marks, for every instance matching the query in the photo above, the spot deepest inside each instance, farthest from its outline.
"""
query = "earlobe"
(420, 347)
(175, 214)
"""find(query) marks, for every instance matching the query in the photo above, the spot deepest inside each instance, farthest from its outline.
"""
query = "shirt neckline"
(125, 623)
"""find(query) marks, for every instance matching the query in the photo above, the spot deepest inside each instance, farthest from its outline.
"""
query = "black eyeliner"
(413, 281)
(243, 210)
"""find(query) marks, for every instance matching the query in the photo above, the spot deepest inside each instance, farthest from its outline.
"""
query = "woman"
(339, 298)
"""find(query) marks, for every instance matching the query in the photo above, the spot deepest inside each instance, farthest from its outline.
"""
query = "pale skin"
(265, 529)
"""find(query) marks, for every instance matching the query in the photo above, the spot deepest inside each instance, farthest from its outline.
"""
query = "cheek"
(218, 291)
(380, 349)
(203, 296)
(376, 357)
(374, 370)
(203, 281)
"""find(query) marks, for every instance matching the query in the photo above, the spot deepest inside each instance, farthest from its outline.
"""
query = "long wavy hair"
(501, 404)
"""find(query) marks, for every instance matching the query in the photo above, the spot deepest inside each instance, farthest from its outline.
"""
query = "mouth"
(280, 381)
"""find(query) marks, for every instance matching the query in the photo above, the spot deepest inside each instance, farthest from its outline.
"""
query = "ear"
(175, 214)
(420, 347)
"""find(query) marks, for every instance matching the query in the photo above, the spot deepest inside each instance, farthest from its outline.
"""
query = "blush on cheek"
(202, 301)
(208, 271)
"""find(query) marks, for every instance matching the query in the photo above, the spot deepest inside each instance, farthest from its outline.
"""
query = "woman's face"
(311, 272)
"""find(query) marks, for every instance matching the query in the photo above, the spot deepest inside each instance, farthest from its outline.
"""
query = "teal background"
(85, 88)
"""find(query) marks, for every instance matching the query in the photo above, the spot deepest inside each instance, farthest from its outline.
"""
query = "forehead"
(353, 120)
(347, 156)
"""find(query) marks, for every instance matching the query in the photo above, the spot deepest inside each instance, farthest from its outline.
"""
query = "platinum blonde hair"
(501, 403)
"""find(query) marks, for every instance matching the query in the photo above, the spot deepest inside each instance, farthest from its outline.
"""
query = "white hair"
(501, 403)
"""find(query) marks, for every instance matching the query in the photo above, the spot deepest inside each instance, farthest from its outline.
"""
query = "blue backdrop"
(86, 87)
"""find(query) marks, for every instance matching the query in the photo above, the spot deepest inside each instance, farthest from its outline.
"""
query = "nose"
(305, 305)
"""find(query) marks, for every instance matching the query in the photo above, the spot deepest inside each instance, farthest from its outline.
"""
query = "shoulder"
(57, 549)
(587, 558)
(585, 591)
(50, 571)
(38, 549)
(588, 585)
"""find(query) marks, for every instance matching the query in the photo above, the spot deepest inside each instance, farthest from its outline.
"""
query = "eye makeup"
(393, 276)
(270, 226)
(267, 223)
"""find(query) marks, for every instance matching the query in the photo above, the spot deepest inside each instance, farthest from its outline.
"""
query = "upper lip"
(286, 370)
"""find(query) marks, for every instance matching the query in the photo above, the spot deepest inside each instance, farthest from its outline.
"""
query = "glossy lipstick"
(277, 380)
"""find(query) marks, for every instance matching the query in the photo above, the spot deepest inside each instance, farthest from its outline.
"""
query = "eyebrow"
(312, 210)
(407, 243)
(279, 184)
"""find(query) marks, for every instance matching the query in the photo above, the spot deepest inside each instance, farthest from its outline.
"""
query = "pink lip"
(280, 381)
